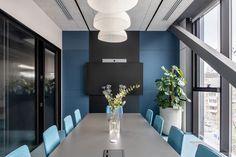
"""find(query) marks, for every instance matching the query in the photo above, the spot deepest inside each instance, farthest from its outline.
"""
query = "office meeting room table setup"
(91, 138)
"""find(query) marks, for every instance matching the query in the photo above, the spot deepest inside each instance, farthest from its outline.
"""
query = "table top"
(91, 137)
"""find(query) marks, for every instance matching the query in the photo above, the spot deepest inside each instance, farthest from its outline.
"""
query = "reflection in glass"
(18, 95)
(2, 106)
(209, 118)
(49, 89)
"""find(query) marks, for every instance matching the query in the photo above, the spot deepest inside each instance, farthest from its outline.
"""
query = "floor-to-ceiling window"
(29, 77)
(207, 83)
(233, 96)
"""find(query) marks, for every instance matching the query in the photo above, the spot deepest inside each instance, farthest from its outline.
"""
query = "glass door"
(49, 88)
(17, 84)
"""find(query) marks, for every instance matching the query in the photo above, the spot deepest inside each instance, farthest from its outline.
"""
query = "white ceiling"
(145, 12)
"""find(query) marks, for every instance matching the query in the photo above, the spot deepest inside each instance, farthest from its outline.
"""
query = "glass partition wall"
(19, 91)
(28, 103)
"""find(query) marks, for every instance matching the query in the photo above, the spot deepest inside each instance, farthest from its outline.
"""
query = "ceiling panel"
(159, 23)
(140, 15)
(51, 8)
(88, 13)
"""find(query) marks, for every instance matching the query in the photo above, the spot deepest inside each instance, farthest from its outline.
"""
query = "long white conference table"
(137, 138)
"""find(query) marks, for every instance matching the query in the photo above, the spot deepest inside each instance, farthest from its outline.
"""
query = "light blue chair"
(77, 116)
(158, 124)
(118, 110)
(204, 151)
(175, 139)
(22, 151)
(68, 124)
(149, 116)
(51, 139)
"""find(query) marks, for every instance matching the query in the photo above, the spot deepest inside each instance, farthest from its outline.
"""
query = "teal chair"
(68, 124)
(204, 151)
(119, 109)
(175, 139)
(77, 116)
(158, 124)
(51, 139)
(22, 151)
(149, 116)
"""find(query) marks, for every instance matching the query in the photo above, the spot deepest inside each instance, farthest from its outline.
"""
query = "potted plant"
(171, 97)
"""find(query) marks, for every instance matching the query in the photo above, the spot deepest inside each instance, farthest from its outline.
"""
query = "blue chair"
(77, 116)
(204, 151)
(175, 139)
(22, 151)
(68, 124)
(158, 124)
(51, 139)
(119, 109)
(149, 116)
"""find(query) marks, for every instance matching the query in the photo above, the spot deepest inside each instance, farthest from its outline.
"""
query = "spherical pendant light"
(112, 6)
(112, 37)
(111, 22)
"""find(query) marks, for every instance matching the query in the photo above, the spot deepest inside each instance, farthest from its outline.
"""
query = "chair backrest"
(22, 151)
(175, 139)
(77, 116)
(119, 109)
(149, 116)
(51, 139)
(204, 151)
(158, 124)
(68, 124)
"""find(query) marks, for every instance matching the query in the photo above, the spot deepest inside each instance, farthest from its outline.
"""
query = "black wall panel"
(99, 50)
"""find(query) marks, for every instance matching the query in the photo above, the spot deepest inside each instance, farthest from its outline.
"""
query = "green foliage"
(116, 101)
(170, 93)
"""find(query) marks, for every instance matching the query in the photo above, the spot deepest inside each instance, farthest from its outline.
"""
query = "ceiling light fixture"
(112, 37)
(112, 19)
(112, 22)
(112, 6)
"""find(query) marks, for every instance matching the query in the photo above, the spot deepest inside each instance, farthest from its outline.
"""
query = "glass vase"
(114, 127)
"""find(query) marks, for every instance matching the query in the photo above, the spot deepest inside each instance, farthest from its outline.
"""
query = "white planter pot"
(171, 117)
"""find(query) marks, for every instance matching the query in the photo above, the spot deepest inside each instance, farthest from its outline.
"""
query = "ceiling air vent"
(64, 9)
(172, 9)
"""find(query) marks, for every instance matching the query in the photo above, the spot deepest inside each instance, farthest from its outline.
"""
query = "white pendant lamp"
(112, 22)
(112, 6)
(112, 37)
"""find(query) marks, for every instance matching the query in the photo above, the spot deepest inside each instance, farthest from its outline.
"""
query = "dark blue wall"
(156, 49)
(75, 55)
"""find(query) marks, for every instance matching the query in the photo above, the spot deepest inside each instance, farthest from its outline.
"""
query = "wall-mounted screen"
(100, 74)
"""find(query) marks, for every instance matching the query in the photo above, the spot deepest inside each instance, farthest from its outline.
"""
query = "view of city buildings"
(209, 102)
(210, 108)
